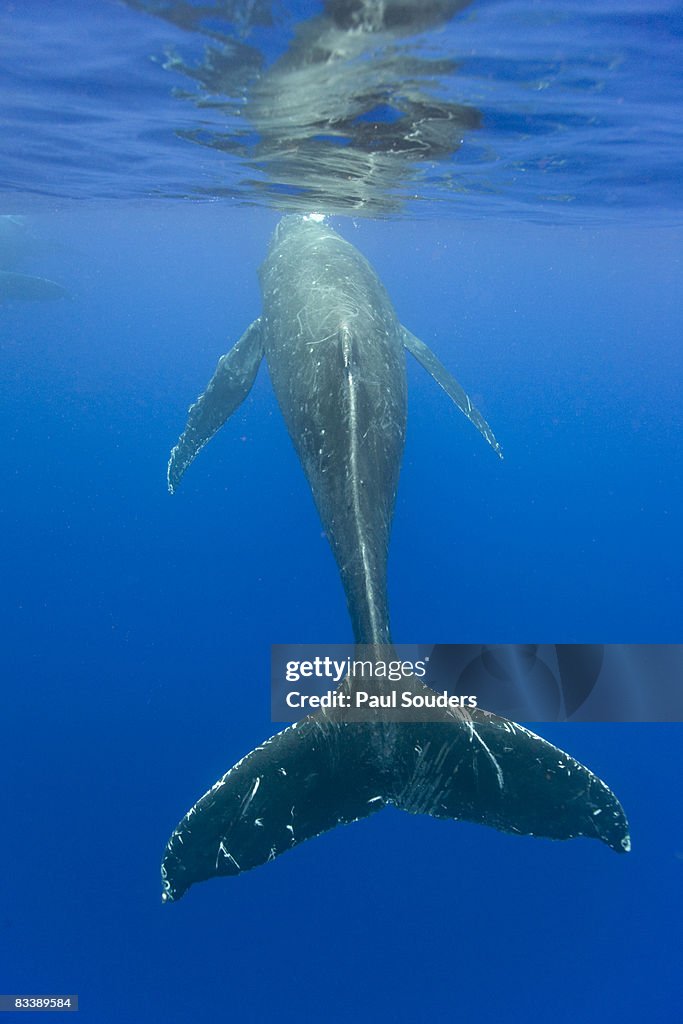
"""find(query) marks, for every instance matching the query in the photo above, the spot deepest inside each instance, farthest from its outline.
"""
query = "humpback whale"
(28, 288)
(335, 351)
(15, 245)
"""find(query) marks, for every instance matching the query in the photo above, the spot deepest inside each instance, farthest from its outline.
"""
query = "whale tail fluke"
(227, 389)
(325, 771)
(298, 784)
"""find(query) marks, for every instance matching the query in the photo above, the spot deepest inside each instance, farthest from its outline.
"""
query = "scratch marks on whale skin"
(225, 853)
(474, 734)
(429, 783)
(250, 796)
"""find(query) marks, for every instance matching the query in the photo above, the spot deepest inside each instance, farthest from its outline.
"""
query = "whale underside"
(335, 352)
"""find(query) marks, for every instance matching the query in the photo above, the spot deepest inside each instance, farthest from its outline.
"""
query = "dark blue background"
(136, 626)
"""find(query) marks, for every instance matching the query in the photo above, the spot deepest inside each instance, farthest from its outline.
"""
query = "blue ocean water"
(544, 268)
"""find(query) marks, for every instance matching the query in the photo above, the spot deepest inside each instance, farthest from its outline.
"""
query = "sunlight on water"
(547, 112)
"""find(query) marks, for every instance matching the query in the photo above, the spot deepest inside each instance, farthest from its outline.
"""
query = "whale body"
(335, 352)
(336, 355)
(28, 288)
(16, 245)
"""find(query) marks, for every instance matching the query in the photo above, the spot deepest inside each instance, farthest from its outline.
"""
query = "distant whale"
(334, 348)
(15, 246)
(28, 288)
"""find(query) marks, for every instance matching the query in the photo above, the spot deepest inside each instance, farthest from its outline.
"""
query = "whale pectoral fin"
(447, 381)
(494, 772)
(300, 783)
(227, 389)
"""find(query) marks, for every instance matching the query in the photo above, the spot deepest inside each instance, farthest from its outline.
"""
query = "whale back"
(334, 349)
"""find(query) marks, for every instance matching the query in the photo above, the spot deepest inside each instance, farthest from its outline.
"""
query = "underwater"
(340, 330)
